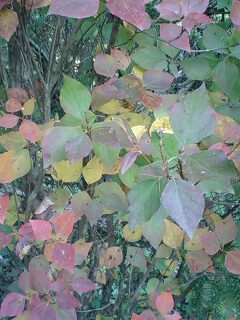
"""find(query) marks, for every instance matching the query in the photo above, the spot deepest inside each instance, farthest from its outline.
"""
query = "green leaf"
(192, 119)
(74, 97)
(106, 154)
(199, 67)
(226, 75)
(150, 57)
(209, 165)
(214, 37)
(144, 200)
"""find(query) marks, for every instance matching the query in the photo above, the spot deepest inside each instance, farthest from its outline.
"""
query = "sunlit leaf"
(93, 171)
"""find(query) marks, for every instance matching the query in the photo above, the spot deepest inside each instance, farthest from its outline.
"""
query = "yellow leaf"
(138, 131)
(112, 107)
(21, 163)
(162, 124)
(173, 235)
(134, 119)
(93, 171)
(28, 107)
(171, 268)
(66, 172)
(115, 168)
(138, 72)
(132, 235)
(6, 171)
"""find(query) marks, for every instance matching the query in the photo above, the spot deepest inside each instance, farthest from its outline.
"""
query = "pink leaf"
(210, 242)
(165, 302)
(66, 300)
(42, 229)
(235, 13)
(182, 42)
(170, 9)
(18, 94)
(63, 224)
(174, 316)
(5, 238)
(4, 2)
(64, 255)
(26, 231)
(232, 261)
(105, 65)
(83, 285)
(121, 58)
(198, 261)
(157, 80)
(43, 311)
(12, 305)
(226, 230)
(28, 129)
(74, 8)
(13, 105)
(194, 6)
(8, 120)
(4, 202)
(128, 10)
(128, 160)
(170, 31)
(194, 19)
(8, 23)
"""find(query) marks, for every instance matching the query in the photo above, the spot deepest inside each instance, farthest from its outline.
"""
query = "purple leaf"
(157, 80)
(131, 12)
(128, 160)
(66, 300)
(185, 203)
(78, 147)
(105, 65)
(12, 305)
(74, 8)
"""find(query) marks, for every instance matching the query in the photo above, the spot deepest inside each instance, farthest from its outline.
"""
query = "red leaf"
(232, 261)
(157, 80)
(83, 285)
(4, 202)
(150, 100)
(12, 305)
(64, 255)
(42, 229)
(8, 120)
(5, 238)
(74, 8)
(210, 242)
(28, 130)
(165, 302)
(128, 10)
(63, 224)
(128, 160)
(18, 94)
(66, 300)
(13, 105)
